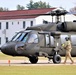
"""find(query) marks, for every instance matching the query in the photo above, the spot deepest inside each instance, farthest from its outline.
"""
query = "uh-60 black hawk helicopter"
(43, 40)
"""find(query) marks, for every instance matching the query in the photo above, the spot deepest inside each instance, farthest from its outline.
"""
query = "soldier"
(68, 47)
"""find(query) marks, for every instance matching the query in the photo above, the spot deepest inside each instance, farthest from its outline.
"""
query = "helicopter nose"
(12, 48)
(3, 48)
(8, 48)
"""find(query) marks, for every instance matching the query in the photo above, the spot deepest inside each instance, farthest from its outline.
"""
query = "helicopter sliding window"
(33, 38)
(49, 41)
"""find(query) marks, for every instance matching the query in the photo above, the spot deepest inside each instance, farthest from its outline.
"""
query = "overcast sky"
(11, 4)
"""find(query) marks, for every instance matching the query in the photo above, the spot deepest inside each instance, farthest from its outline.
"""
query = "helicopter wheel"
(56, 59)
(33, 59)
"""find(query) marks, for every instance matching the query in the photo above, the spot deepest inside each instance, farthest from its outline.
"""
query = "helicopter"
(43, 40)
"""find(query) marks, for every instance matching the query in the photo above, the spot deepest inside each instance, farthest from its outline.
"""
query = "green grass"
(38, 70)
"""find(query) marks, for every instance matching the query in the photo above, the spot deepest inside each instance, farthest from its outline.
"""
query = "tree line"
(34, 5)
(30, 5)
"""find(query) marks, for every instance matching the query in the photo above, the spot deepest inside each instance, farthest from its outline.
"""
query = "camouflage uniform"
(67, 46)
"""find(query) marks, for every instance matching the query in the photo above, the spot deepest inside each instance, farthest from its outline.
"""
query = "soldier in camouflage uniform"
(68, 47)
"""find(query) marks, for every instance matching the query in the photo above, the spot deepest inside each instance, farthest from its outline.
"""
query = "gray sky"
(11, 4)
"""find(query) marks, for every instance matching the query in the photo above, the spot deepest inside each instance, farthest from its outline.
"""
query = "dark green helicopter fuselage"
(44, 40)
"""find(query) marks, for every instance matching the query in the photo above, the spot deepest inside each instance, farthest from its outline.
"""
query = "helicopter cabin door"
(46, 41)
(49, 41)
(43, 39)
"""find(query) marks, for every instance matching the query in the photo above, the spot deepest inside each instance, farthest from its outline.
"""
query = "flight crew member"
(68, 47)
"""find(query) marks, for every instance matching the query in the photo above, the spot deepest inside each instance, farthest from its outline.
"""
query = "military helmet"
(67, 38)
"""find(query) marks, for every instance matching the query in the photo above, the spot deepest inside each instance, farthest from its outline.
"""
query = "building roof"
(22, 14)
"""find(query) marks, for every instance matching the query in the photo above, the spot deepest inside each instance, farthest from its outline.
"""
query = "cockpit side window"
(33, 38)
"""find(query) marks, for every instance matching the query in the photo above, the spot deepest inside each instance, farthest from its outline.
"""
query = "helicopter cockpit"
(25, 36)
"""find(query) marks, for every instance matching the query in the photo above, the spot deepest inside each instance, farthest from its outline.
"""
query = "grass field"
(35, 70)
(38, 70)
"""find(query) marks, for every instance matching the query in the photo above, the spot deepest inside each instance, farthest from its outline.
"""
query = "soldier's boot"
(71, 60)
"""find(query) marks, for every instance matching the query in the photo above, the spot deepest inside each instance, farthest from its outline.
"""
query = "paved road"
(27, 63)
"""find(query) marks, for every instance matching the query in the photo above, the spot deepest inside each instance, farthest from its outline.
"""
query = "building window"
(0, 25)
(6, 39)
(12, 23)
(24, 24)
(31, 23)
(0, 40)
(6, 25)
(18, 22)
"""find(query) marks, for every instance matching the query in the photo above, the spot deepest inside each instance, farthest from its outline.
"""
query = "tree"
(73, 9)
(1, 9)
(19, 7)
(4, 9)
(35, 5)
(30, 5)
(39, 4)
(48, 6)
(42, 4)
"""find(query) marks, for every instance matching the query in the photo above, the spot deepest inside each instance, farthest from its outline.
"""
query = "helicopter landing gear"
(56, 59)
(33, 59)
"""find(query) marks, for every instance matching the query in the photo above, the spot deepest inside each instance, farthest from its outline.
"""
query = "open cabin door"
(44, 43)
(45, 40)
(49, 39)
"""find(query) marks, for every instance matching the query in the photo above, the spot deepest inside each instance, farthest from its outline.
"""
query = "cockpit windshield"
(20, 37)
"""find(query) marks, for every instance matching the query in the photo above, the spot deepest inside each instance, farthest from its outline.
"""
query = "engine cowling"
(67, 26)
